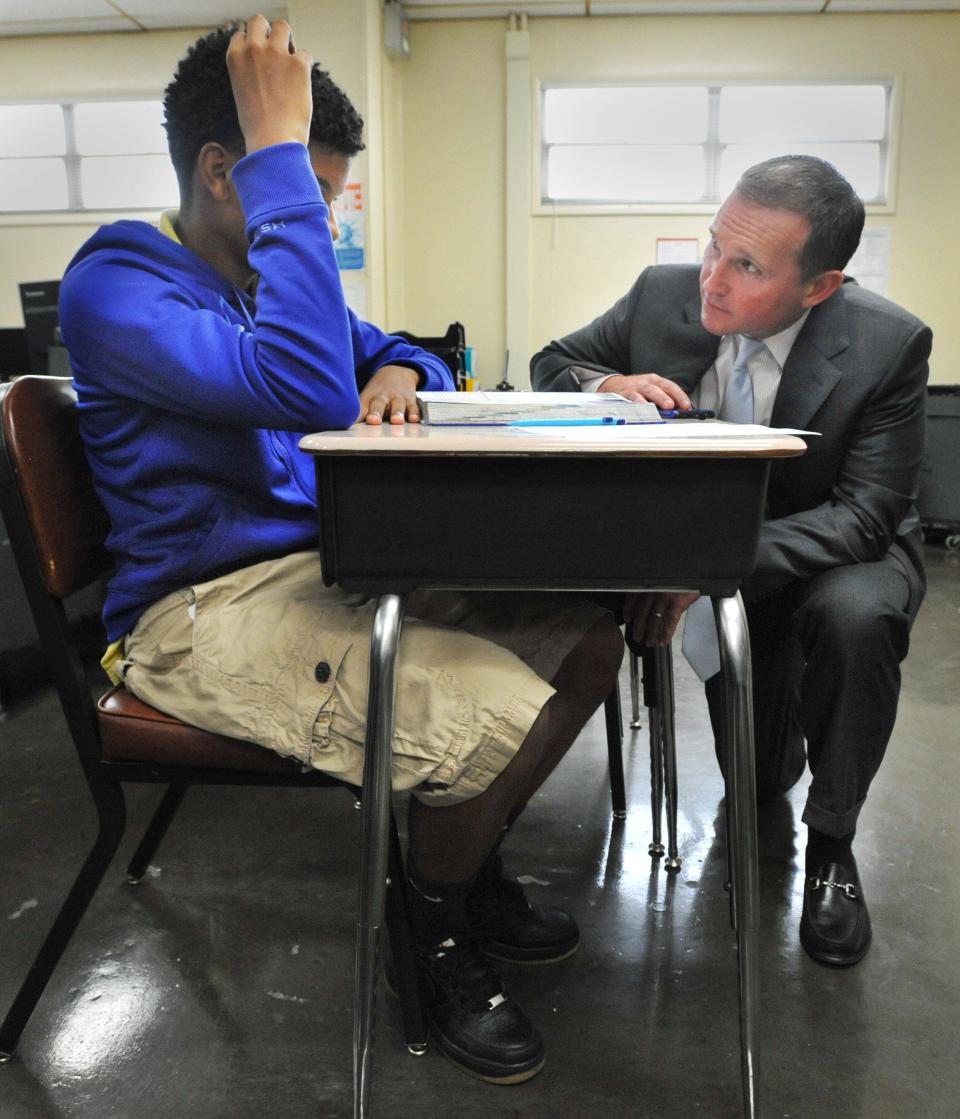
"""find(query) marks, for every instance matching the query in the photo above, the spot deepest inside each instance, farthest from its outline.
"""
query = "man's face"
(750, 280)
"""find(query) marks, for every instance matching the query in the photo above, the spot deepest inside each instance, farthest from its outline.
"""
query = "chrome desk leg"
(742, 825)
(634, 691)
(375, 836)
(666, 706)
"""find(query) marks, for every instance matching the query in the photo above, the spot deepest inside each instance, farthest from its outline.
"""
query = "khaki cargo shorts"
(270, 655)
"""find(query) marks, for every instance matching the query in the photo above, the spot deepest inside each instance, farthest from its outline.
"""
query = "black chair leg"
(614, 721)
(405, 966)
(635, 723)
(156, 830)
(112, 811)
(663, 659)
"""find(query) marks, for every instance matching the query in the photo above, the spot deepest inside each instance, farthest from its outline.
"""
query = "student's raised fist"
(271, 84)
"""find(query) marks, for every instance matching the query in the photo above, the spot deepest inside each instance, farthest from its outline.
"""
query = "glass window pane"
(33, 184)
(785, 114)
(120, 127)
(858, 163)
(118, 182)
(654, 173)
(633, 114)
(31, 130)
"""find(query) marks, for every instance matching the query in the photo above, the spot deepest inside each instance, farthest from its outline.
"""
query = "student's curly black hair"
(198, 108)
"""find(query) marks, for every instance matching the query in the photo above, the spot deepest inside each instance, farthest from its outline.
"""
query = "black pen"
(689, 414)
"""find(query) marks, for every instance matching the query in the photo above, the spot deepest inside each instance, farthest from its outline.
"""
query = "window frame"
(713, 147)
(72, 159)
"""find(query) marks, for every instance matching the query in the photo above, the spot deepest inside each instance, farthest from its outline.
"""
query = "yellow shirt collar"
(168, 225)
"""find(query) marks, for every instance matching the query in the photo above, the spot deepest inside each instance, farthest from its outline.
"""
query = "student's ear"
(213, 171)
(822, 287)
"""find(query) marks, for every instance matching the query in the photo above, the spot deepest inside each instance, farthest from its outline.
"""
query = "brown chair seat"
(133, 731)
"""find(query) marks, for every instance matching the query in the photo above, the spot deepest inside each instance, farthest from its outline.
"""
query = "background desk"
(511, 508)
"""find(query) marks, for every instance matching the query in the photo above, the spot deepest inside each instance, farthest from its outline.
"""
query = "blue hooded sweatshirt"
(193, 397)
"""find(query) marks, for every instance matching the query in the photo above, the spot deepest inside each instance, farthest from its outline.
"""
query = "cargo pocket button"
(322, 672)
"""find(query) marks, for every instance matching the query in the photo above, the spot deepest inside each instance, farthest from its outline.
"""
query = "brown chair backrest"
(41, 436)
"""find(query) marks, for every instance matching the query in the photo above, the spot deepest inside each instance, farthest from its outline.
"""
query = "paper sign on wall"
(678, 250)
(348, 210)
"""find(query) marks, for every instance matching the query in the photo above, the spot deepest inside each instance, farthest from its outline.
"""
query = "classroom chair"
(57, 529)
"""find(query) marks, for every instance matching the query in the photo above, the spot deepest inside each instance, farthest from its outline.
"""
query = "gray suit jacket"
(856, 373)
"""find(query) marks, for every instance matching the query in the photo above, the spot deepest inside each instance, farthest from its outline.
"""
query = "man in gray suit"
(770, 320)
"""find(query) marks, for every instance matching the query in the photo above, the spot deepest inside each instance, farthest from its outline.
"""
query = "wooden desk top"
(670, 440)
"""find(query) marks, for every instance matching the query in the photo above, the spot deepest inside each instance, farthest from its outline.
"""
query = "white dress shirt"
(766, 369)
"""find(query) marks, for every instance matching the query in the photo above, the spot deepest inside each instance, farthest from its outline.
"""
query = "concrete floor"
(221, 986)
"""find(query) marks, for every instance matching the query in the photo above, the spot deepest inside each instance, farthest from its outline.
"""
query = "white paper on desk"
(681, 429)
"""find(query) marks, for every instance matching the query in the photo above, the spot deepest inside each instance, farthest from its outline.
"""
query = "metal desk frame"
(360, 568)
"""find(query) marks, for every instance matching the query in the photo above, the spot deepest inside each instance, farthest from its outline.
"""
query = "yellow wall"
(453, 120)
(435, 181)
(452, 92)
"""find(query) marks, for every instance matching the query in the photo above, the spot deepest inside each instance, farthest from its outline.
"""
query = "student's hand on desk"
(653, 616)
(271, 84)
(647, 386)
(390, 394)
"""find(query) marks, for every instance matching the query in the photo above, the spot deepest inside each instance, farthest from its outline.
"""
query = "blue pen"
(605, 421)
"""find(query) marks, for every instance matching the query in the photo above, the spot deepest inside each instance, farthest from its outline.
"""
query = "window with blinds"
(78, 156)
(687, 144)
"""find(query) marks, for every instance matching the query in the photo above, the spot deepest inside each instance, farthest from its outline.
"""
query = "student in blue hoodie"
(201, 352)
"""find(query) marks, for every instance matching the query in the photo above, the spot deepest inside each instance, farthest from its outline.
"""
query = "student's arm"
(389, 373)
(135, 329)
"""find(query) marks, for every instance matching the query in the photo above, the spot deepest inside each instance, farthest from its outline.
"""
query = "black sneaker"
(511, 927)
(472, 1019)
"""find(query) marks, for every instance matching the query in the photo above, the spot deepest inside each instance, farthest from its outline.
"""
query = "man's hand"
(271, 84)
(653, 616)
(391, 393)
(647, 386)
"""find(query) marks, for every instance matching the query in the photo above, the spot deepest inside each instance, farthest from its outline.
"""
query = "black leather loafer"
(835, 926)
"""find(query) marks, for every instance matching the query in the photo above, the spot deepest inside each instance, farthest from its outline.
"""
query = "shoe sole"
(831, 960)
(488, 1076)
(503, 955)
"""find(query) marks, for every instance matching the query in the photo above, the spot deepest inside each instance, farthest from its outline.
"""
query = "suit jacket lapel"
(810, 375)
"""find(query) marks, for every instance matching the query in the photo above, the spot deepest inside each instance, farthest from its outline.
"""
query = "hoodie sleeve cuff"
(275, 179)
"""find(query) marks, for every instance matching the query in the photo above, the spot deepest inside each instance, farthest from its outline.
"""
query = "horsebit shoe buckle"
(848, 887)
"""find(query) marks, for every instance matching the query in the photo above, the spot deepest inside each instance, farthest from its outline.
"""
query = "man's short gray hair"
(815, 189)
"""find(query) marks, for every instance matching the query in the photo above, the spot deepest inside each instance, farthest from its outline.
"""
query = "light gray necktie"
(737, 405)
(700, 645)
